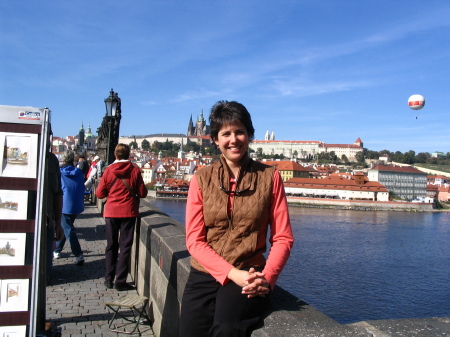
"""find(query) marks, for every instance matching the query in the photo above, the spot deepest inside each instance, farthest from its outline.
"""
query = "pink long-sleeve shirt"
(281, 238)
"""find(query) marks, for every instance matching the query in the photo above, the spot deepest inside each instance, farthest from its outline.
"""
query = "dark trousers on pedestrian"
(209, 309)
(119, 239)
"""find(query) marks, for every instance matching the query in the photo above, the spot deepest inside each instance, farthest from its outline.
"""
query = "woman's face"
(233, 141)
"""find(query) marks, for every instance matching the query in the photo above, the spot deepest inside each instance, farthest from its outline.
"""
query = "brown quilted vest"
(241, 238)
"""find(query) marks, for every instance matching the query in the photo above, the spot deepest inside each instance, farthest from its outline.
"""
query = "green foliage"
(360, 157)
(327, 158)
(191, 146)
(145, 145)
(344, 159)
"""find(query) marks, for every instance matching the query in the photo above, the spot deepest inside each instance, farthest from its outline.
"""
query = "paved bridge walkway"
(76, 296)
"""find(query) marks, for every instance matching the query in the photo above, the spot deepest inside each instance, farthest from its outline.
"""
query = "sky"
(326, 70)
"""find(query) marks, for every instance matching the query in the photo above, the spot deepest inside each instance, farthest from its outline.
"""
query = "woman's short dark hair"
(122, 151)
(224, 112)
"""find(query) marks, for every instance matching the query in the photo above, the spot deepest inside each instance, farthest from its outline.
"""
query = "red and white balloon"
(416, 102)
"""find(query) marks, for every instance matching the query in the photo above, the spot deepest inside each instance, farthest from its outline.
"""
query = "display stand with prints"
(24, 137)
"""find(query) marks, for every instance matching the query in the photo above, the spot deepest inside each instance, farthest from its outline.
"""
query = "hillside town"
(169, 176)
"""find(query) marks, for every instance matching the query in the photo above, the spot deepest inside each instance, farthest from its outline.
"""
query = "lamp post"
(108, 132)
(111, 104)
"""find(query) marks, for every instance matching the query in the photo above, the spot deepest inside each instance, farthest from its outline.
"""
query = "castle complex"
(308, 150)
(199, 132)
(302, 149)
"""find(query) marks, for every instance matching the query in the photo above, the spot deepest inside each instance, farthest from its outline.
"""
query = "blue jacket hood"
(69, 170)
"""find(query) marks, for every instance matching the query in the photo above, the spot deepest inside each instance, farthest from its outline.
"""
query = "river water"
(364, 265)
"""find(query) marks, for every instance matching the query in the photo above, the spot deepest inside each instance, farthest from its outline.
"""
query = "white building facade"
(405, 182)
(307, 150)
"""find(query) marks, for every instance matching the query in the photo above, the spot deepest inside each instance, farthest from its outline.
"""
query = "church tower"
(81, 136)
(200, 127)
(190, 130)
(181, 153)
(358, 142)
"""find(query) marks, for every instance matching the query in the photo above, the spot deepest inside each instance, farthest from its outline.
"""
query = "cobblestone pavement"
(76, 295)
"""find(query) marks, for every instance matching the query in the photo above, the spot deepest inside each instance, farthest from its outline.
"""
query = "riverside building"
(406, 182)
(357, 187)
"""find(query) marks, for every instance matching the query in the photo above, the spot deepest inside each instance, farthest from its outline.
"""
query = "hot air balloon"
(416, 102)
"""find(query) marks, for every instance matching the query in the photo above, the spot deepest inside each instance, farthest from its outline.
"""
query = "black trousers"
(209, 309)
(117, 263)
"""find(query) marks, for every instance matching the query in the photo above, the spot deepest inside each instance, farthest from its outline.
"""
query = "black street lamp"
(111, 104)
(108, 132)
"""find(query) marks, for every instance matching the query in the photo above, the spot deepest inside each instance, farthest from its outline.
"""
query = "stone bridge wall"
(161, 267)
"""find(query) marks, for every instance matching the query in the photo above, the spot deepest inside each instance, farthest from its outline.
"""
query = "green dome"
(89, 134)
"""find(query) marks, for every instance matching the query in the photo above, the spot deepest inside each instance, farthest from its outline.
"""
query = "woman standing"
(122, 185)
(230, 206)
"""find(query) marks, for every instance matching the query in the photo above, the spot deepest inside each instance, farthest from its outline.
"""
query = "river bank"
(359, 205)
(363, 205)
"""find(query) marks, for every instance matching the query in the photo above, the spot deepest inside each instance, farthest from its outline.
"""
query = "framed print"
(19, 154)
(13, 331)
(13, 205)
(12, 249)
(14, 294)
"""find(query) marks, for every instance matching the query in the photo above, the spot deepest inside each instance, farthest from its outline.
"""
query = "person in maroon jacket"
(123, 185)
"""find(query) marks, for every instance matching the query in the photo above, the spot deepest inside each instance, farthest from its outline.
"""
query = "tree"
(408, 157)
(133, 145)
(157, 146)
(385, 153)
(259, 152)
(422, 157)
(333, 157)
(369, 154)
(359, 157)
(145, 145)
(167, 145)
(191, 146)
(397, 157)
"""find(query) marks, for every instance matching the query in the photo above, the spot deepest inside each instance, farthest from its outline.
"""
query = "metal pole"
(109, 142)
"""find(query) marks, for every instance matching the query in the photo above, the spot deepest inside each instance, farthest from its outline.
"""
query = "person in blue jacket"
(72, 183)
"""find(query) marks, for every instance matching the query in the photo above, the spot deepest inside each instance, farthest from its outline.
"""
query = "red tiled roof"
(286, 165)
(176, 182)
(310, 168)
(444, 188)
(343, 145)
(394, 168)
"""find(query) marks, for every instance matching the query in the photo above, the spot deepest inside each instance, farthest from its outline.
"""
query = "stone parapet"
(160, 269)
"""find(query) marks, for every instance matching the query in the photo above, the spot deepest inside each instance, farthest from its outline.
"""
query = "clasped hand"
(253, 283)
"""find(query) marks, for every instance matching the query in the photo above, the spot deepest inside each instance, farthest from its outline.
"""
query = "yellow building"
(289, 169)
